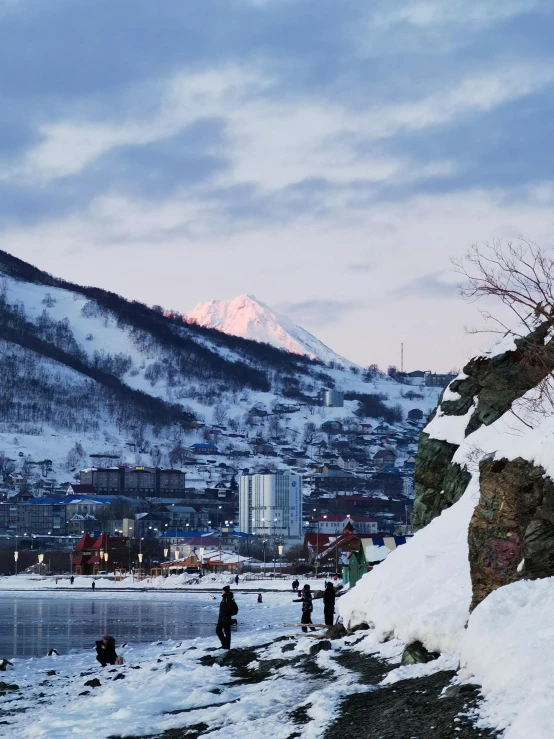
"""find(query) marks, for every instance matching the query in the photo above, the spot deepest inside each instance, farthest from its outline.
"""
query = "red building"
(89, 555)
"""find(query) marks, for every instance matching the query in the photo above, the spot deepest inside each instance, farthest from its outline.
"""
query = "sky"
(328, 157)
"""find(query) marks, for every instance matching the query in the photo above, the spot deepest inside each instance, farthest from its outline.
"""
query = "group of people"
(329, 597)
(228, 609)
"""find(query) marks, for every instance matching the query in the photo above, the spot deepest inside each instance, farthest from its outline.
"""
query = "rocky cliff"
(480, 395)
(511, 532)
(476, 581)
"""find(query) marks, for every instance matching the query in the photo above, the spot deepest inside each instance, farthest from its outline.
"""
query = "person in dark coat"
(227, 610)
(295, 585)
(307, 608)
(72, 579)
(236, 579)
(93, 586)
(105, 651)
(329, 597)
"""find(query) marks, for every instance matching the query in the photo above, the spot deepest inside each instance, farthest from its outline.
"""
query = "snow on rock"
(509, 649)
(248, 317)
(422, 591)
(449, 428)
(406, 672)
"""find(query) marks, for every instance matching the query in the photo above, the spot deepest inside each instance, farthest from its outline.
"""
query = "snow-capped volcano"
(248, 317)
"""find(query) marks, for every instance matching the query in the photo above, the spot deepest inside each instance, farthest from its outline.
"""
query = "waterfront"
(31, 624)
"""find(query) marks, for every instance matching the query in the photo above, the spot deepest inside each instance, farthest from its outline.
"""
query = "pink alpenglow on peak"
(249, 318)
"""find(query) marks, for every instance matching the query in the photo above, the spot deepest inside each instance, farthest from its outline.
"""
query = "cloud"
(438, 13)
(430, 286)
(275, 142)
(473, 94)
(361, 267)
(319, 312)
(69, 146)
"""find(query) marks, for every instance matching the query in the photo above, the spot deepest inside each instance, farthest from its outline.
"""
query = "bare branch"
(521, 277)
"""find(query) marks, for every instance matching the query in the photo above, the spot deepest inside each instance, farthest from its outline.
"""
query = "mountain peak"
(248, 317)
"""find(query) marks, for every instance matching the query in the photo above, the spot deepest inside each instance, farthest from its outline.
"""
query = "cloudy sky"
(328, 157)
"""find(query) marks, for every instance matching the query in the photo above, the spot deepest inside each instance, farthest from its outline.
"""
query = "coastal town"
(345, 481)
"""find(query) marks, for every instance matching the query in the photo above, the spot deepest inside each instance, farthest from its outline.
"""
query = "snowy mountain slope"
(248, 317)
(143, 376)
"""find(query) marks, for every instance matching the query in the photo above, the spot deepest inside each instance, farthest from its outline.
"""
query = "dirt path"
(349, 681)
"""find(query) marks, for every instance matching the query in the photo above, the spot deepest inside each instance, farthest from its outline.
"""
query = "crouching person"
(105, 651)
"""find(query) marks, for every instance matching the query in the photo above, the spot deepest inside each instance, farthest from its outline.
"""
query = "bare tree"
(309, 432)
(156, 456)
(521, 277)
(220, 414)
(275, 427)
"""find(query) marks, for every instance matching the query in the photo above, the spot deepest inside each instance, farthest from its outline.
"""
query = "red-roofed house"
(89, 553)
(328, 548)
(75, 489)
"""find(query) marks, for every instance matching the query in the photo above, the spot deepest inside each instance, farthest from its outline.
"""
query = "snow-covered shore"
(169, 679)
(274, 682)
(173, 582)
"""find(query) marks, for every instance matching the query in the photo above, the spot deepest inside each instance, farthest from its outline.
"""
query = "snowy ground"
(290, 686)
(173, 582)
(159, 695)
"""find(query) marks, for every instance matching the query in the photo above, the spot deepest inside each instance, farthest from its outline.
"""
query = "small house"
(384, 458)
(203, 448)
(356, 566)
(332, 427)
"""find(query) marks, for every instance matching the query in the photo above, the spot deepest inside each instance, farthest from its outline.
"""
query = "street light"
(264, 542)
(40, 558)
(16, 557)
(106, 560)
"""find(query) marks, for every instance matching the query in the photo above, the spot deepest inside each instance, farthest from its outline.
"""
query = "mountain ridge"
(85, 370)
(250, 318)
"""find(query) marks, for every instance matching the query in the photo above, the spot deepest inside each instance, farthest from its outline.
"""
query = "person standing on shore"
(307, 608)
(329, 597)
(227, 610)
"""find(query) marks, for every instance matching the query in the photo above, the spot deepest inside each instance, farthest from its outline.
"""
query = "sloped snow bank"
(422, 591)
(508, 648)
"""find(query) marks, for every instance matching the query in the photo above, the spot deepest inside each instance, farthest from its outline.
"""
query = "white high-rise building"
(271, 505)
